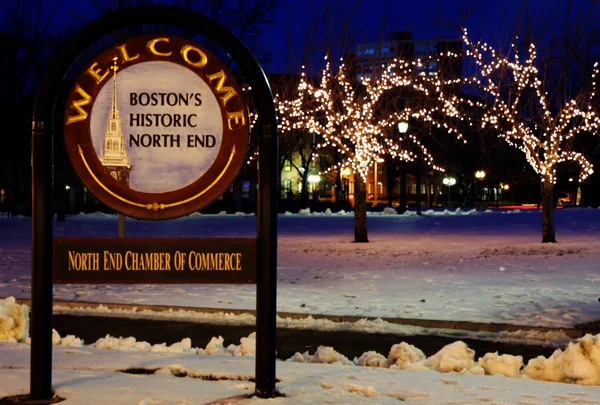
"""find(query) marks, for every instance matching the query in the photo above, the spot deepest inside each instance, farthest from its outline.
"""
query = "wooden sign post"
(156, 127)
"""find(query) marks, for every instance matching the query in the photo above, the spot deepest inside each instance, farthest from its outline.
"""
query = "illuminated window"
(109, 145)
(287, 165)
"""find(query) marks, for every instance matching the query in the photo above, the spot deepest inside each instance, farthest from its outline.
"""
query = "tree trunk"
(418, 175)
(402, 206)
(304, 192)
(390, 171)
(338, 188)
(360, 210)
(548, 235)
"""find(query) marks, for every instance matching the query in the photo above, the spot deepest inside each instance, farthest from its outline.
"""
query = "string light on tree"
(346, 113)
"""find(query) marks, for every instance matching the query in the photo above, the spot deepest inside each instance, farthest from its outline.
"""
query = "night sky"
(493, 21)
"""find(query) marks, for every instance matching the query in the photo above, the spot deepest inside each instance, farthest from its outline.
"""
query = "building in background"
(370, 59)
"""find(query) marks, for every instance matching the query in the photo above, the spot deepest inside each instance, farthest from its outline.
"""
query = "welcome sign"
(156, 127)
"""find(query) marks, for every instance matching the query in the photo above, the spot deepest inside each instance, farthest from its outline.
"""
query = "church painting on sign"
(150, 126)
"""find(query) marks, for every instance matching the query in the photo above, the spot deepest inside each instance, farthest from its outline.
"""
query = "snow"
(481, 267)
(504, 364)
(95, 375)
(455, 357)
(477, 266)
(14, 320)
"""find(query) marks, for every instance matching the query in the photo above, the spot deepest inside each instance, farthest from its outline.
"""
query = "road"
(289, 341)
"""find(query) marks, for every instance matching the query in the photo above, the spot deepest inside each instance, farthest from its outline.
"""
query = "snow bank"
(14, 320)
(455, 357)
(324, 354)
(579, 363)
(215, 347)
(372, 359)
(247, 347)
(130, 344)
(389, 211)
(69, 340)
(545, 369)
(304, 212)
(405, 356)
(506, 364)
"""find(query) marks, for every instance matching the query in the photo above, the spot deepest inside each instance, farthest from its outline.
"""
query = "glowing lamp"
(403, 127)
(314, 178)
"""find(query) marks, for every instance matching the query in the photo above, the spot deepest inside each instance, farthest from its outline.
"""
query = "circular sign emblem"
(156, 127)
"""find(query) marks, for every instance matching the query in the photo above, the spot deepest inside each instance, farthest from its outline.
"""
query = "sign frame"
(103, 69)
(44, 126)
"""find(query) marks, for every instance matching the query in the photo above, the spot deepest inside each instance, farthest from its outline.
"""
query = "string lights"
(349, 117)
(511, 84)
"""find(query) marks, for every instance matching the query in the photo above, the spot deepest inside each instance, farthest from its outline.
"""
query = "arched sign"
(156, 127)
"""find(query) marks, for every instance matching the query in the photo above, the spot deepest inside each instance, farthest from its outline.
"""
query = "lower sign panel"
(154, 260)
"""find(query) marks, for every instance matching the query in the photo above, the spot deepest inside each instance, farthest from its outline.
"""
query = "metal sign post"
(108, 177)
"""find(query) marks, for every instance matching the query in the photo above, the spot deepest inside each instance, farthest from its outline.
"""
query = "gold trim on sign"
(155, 206)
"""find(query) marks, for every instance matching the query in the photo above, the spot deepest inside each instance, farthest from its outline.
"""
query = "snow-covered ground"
(476, 266)
(90, 376)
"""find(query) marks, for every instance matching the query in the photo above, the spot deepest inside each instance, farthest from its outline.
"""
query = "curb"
(424, 323)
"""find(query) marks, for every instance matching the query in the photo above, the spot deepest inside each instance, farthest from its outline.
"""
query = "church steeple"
(114, 111)
(113, 154)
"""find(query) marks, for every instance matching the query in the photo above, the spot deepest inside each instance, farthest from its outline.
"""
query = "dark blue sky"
(493, 21)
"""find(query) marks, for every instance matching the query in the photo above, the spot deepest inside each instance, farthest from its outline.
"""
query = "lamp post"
(449, 181)
(402, 130)
(480, 175)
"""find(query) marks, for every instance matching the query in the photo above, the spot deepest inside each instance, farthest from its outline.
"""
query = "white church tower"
(113, 155)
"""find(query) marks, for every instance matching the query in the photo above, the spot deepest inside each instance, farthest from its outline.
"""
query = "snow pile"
(304, 212)
(328, 212)
(372, 359)
(215, 347)
(130, 344)
(456, 357)
(579, 363)
(247, 347)
(389, 211)
(545, 369)
(405, 356)
(324, 354)
(506, 364)
(69, 340)
(14, 320)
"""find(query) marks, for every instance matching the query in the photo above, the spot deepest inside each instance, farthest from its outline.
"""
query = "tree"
(32, 40)
(246, 19)
(348, 115)
(522, 112)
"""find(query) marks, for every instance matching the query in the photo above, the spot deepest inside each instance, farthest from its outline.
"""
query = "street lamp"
(403, 126)
(449, 181)
(402, 129)
(480, 175)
